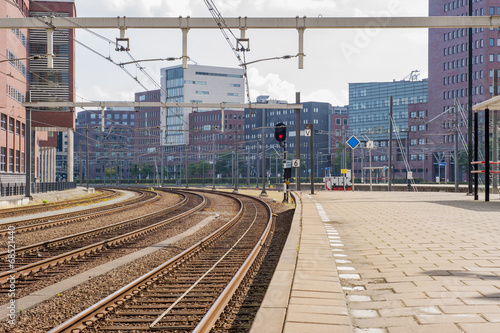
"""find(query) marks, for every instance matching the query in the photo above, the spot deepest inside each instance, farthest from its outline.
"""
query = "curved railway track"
(39, 208)
(190, 291)
(143, 197)
(47, 255)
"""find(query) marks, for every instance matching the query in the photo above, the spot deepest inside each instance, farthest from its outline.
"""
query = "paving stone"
(429, 328)
(481, 328)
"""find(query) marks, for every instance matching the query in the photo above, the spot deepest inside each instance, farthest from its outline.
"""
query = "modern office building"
(316, 113)
(369, 105)
(110, 144)
(449, 77)
(147, 124)
(53, 81)
(196, 84)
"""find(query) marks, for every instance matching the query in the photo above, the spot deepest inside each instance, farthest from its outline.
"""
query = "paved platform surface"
(125, 195)
(405, 262)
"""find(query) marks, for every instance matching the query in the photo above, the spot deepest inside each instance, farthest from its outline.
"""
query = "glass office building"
(369, 106)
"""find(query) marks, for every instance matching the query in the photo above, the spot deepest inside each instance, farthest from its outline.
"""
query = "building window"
(3, 159)
(11, 160)
(3, 122)
(338, 121)
(22, 162)
(11, 125)
(18, 127)
(18, 160)
(232, 94)
(202, 92)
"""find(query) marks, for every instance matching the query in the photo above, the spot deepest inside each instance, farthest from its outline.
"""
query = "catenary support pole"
(487, 155)
(494, 142)
(469, 104)
(263, 193)
(87, 155)
(29, 161)
(456, 149)
(476, 155)
(297, 141)
(389, 179)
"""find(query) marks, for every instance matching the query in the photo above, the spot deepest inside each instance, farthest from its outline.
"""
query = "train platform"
(67, 195)
(387, 262)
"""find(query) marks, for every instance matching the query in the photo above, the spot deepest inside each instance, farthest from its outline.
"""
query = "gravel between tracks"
(54, 311)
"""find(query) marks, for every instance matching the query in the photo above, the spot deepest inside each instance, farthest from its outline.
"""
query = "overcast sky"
(333, 59)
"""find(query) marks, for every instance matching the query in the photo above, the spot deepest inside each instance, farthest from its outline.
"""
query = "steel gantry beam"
(250, 22)
(160, 104)
(242, 23)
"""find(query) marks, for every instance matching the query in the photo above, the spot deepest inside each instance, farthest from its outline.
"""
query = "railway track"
(105, 194)
(143, 197)
(47, 257)
(190, 291)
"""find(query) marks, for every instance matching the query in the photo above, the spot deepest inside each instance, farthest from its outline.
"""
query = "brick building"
(449, 77)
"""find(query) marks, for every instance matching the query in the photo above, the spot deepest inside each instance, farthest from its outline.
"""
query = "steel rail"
(98, 310)
(50, 262)
(213, 314)
(53, 220)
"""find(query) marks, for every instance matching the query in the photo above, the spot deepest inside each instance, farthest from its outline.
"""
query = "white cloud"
(271, 84)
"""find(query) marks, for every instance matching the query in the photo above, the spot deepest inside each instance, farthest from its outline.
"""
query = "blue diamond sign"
(353, 142)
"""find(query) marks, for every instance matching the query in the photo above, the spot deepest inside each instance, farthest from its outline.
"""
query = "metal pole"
(263, 193)
(389, 180)
(297, 141)
(87, 156)
(456, 149)
(28, 150)
(469, 104)
(235, 163)
(370, 151)
(285, 187)
(494, 147)
(80, 155)
(352, 169)
(276, 168)
(487, 155)
(408, 159)
(476, 154)
(162, 175)
(213, 161)
(311, 143)
(187, 170)
(248, 167)
(116, 170)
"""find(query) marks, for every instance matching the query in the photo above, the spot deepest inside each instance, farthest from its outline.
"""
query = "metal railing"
(12, 189)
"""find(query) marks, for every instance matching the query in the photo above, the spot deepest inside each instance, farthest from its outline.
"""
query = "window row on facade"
(15, 94)
(464, 77)
(11, 160)
(460, 63)
(385, 103)
(13, 125)
(14, 61)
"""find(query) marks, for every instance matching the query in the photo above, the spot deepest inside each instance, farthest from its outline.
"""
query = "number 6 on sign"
(295, 163)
